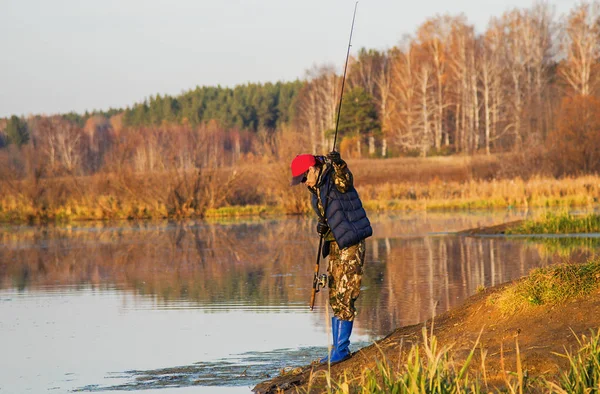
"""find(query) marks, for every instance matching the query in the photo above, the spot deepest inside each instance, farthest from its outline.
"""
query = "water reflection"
(414, 268)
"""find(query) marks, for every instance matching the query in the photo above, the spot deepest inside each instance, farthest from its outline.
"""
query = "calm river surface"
(192, 306)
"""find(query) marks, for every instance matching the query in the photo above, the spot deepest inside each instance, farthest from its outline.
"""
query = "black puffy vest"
(345, 214)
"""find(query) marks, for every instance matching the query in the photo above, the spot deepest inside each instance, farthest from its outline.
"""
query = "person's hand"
(322, 228)
(334, 157)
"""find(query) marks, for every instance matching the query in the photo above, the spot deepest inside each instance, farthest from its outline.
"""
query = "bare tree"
(308, 113)
(489, 72)
(433, 36)
(581, 44)
(61, 143)
(538, 43)
(99, 137)
(365, 69)
(411, 113)
(383, 80)
(515, 63)
(317, 105)
(526, 52)
(464, 100)
(424, 77)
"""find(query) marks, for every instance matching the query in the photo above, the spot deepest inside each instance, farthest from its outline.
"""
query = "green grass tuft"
(584, 368)
(561, 223)
(428, 369)
(550, 286)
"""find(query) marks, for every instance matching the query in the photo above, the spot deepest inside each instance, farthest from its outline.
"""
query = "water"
(217, 307)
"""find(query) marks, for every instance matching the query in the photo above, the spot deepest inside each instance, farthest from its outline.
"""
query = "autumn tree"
(539, 31)
(432, 36)
(60, 142)
(574, 145)
(365, 69)
(463, 100)
(99, 134)
(527, 54)
(383, 100)
(581, 44)
(515, 62)
(317, 105)
(410, 113)
(423, 78)
(489, 74)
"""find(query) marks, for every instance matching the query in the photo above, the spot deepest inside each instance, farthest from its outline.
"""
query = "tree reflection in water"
(414, 268)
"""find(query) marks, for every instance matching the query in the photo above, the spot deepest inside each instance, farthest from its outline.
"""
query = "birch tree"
(489, 73)
(411, 73)
(61, 143)
(317, 105)
(515, 62)
(433, 37)
(542, 52)
(383, 80)
(581, 45)
(462, 80)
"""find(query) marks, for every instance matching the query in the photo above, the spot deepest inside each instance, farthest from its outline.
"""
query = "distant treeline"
(246, 107)
(529, 83)
(251, 107)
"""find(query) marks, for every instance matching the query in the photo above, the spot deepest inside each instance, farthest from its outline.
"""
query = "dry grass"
(262, 187)
(430, 369)
(474, 194)
(425, 170)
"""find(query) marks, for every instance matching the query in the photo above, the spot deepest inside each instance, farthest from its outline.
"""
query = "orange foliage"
(574, 145)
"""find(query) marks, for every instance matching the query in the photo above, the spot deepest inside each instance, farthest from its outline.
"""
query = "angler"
(343, 226)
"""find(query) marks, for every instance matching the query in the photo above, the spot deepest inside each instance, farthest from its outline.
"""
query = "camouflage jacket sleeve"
(342, 177)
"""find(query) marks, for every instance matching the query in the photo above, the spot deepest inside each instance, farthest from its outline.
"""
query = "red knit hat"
(300, 165)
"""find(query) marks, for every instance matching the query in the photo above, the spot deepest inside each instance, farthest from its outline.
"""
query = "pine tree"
(358, 115)
(17, 131)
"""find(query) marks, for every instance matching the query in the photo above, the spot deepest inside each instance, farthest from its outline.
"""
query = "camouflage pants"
(345, 273)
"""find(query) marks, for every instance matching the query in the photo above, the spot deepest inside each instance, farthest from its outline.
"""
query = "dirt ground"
(541, 332)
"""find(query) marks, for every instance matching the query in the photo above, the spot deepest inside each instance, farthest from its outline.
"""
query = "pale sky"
(58, 56)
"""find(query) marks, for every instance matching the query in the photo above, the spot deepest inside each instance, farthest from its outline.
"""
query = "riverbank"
(224, 194)
(519, 348)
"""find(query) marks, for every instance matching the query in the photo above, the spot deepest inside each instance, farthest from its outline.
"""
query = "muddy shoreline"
(542, 334)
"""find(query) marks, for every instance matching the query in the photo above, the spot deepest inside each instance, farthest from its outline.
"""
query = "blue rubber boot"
(342, 342)
(334, 331)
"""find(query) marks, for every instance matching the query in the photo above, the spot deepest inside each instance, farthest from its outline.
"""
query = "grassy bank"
(431, 368)
(561, 223)
(550, 286)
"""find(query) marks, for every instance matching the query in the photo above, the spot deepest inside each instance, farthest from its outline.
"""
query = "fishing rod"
(320, 281)
(337, 122)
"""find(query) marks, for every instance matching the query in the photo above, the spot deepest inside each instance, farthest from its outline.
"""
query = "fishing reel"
(320, 281)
